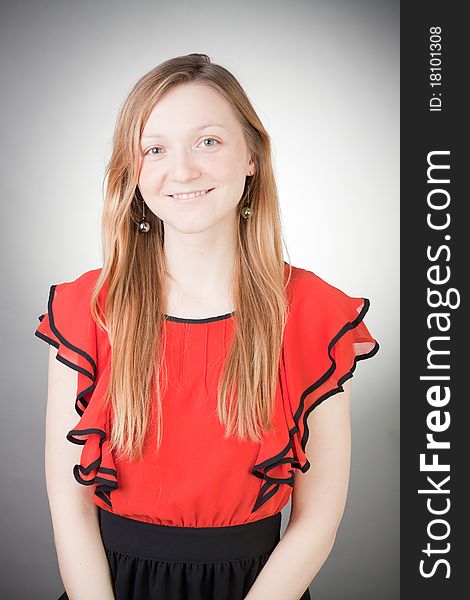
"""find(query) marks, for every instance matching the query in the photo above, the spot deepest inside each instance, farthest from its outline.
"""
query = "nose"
(183, 166)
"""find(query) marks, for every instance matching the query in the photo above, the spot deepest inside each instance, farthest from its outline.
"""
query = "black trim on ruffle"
(260, 470)
(106, 486)
(267, 490)
(90, 374)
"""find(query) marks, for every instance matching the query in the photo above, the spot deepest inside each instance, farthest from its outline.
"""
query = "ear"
(251, 167)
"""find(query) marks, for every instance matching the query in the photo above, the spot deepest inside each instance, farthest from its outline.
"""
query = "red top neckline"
(203, 320)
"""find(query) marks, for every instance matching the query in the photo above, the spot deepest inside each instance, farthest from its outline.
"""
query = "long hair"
(134, 274)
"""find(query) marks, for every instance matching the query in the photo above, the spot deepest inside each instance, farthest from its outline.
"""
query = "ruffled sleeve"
(68, 326)
(324, 339)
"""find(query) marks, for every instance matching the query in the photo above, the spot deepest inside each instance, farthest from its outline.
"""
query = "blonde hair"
(134, 274)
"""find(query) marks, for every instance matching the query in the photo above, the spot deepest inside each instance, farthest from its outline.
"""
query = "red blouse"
(200, 479)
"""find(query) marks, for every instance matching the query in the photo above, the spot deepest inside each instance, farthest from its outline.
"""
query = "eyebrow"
(155, 134)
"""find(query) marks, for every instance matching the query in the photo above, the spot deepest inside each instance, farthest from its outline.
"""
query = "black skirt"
(163, 562)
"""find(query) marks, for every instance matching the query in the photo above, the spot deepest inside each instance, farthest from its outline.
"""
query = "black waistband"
(189, 544)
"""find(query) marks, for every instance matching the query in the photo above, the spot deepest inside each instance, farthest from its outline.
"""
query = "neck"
(200, 269)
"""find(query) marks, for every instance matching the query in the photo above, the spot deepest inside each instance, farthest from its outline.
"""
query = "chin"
(196, 222)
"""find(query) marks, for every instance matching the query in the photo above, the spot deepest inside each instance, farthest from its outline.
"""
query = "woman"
(184, 481)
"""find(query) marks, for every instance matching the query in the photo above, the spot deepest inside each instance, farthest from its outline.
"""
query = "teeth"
(187, 196)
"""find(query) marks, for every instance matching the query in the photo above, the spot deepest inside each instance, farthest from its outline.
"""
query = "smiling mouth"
(191, 194)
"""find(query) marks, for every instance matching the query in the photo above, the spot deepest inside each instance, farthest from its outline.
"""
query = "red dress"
(200, 479)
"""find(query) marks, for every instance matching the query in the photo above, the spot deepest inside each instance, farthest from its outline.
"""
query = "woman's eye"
(212, 140)
(149, 151)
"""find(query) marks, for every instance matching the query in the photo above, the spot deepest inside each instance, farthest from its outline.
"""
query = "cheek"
(149, 178)
(227, 165)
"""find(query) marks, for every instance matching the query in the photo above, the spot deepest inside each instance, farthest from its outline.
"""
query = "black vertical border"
(422, 131)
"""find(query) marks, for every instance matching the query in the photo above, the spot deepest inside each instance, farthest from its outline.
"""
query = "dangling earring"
(246, 211)
(144, 225)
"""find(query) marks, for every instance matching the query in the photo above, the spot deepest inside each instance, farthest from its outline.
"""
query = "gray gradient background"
(324, 78)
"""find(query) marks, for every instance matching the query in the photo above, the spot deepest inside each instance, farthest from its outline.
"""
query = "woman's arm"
(318, 502)
(82, 560)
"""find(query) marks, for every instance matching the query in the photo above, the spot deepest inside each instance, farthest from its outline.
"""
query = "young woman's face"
(192, 142)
